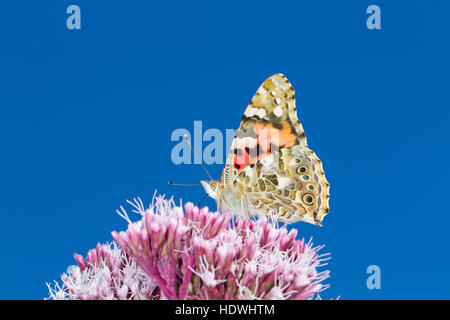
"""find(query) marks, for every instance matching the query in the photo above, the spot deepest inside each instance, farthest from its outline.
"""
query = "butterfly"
(270, 171)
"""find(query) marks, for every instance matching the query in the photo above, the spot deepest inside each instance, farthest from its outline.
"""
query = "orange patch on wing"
(267, 135)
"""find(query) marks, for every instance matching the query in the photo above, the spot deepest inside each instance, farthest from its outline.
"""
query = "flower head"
(108, 273)
(193, 253)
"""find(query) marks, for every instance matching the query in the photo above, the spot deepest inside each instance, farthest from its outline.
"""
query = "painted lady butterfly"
(270, 170)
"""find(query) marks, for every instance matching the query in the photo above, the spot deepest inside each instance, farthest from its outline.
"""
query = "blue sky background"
(86, 118)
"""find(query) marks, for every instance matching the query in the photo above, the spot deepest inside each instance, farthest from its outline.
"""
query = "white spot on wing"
(250, 112)
(283, 182)
(278, 111)
(261, 113)
(280, 83)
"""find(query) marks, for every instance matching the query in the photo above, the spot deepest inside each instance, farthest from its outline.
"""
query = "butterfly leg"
(246, 207)
(224, 205)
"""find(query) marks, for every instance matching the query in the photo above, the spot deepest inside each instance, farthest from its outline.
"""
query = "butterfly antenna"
(195, 155)
(170, 183)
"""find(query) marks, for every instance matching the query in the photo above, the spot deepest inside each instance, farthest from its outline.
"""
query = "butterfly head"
(211, 187)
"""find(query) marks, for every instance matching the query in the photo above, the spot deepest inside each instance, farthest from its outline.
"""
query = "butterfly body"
(270, 170)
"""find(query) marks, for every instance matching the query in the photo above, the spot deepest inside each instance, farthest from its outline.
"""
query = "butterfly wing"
(270, 162)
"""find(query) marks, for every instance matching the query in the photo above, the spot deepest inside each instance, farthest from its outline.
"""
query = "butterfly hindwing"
(289, 187)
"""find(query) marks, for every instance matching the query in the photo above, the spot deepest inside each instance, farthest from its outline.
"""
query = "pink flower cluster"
(173, 253)
(108, 273)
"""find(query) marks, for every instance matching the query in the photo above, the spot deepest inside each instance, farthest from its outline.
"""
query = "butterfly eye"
(308, 199)
(302, 169)
(213, 185)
